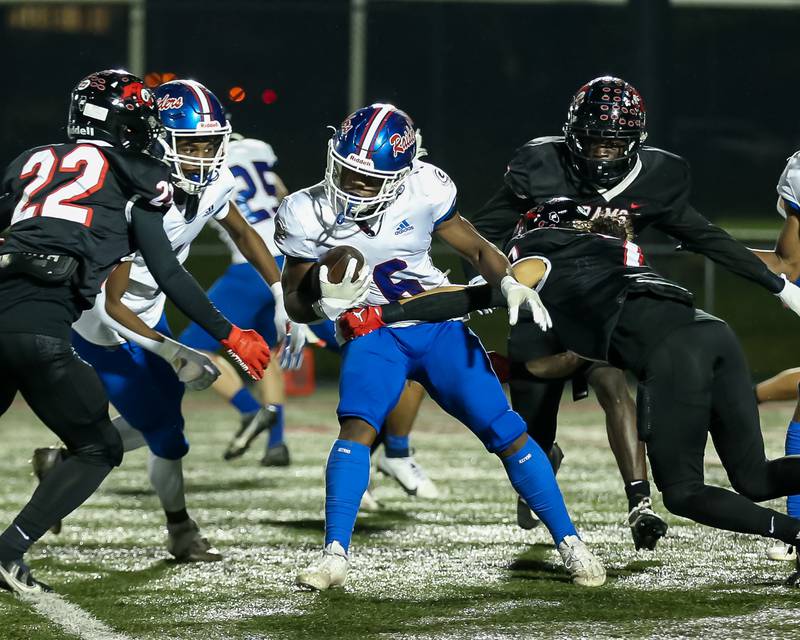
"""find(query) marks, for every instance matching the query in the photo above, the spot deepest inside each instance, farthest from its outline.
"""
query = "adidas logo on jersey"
(403, 227)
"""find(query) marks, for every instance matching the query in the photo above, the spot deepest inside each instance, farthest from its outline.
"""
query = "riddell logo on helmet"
(364, 162)
(168, 102)
(75, 130)
(213, 124)
(401, 144)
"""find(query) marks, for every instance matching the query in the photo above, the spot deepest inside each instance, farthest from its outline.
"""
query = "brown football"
(336, 260)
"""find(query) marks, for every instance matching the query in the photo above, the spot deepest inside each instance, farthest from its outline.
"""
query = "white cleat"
(584, 567)
(369, 503)
(329, 572)
(187, 545)
(782, 553)
(409, 475)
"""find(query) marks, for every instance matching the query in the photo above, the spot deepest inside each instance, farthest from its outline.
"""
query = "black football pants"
(67, 395)
(697, 382)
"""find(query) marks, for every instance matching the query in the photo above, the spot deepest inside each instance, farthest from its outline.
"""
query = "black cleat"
(251, 428)
(15, 576)
(647, 527)
(44, 460)
(794, 579)
(526, 518)
(277, 456)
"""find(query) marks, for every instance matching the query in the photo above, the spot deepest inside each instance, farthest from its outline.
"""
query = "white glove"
(293, 345)
(517, 295)
(194, 369)
(790, 295)
(335, 299)
(281, 317)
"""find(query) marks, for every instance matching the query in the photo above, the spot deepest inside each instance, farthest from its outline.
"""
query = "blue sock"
(346, 480)
(532, 476)
(276, 432)
(244, 401)
(793, 449)
(397, 446)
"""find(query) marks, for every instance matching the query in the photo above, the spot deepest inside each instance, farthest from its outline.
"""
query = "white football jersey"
(252, 163)
(789, 183)
(397, 246)
(143, 295)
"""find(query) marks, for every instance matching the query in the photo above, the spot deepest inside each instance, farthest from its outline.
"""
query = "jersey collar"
(613, 192)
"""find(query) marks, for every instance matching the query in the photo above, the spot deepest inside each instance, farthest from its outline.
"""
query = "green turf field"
(455, 568)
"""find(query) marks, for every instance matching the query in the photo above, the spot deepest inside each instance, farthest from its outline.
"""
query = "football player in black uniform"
(601, 163)
(608, 304)
(74, 211)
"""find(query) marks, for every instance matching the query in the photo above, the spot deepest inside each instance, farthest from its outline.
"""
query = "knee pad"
(169, 442)
(503, 431)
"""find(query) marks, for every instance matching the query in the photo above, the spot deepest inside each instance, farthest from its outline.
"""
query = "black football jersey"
(589, 277)
(71, 199)
(655, 192)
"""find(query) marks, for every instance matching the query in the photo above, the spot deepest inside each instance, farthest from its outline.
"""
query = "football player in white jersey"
(240, 293)
(126, 337)
(785, 260)
(379, 197)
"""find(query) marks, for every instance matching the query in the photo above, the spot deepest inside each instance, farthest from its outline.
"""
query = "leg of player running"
(364, 402)
(130, 375)
(783, 386)
(611, 388)
(66, 394)
(396, 459)
(696, 376)
(502, 431)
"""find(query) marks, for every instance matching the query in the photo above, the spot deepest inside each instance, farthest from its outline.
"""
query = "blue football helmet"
(379, 144)
(191, 113)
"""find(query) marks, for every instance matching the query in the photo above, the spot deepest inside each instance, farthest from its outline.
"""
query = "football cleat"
(782, 552)
(252, 426)
(584, 567)
(186, 544)
(369, 503)
(409, 475)
(647, 527)
(43, 462)
(329, 572)
(15, 576)
(526, 518)
(276, 456)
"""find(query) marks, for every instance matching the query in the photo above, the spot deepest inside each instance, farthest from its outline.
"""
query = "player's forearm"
(491, 264)
(174, 280)
(774, 262)
(443, 304)
(255, 251)
(130, 326)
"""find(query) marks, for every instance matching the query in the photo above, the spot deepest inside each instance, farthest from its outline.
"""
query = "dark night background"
(479, 79)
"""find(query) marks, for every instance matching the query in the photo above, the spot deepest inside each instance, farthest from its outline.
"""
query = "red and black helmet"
(605, 113)
(115, 106)
(555, 212)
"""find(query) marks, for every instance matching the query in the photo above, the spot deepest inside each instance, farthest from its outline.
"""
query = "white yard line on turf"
(72, 618)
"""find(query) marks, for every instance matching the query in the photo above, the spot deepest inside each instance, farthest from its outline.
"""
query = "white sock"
(166, 476)
(131, 438)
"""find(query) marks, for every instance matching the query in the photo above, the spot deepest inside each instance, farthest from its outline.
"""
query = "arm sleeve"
(699, 235)
(497, 219)
(174, 280)
(438, 307)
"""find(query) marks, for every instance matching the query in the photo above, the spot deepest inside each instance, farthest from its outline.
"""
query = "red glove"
(247, 349)
(359, 322)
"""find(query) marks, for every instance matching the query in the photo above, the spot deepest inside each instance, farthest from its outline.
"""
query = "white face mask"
(193, 173)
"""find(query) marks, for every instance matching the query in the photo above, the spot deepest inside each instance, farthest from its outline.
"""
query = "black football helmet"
(555, 212)
(115, 106)
(604, 129)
